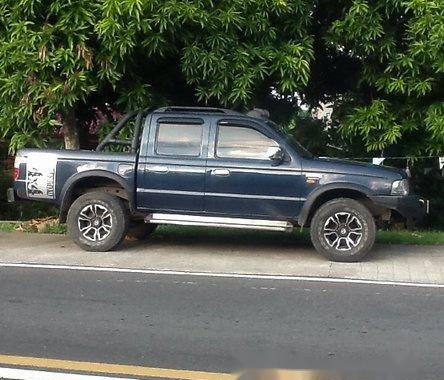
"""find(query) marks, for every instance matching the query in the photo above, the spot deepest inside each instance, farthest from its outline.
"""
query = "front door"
(172, 172)
(241, 179)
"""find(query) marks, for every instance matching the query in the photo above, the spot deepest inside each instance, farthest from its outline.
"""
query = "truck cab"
(214, 167)
(218, 164)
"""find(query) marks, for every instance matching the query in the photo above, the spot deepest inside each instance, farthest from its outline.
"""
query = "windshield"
(291, 140)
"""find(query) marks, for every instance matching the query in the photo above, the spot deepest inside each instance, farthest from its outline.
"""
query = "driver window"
(244, 142)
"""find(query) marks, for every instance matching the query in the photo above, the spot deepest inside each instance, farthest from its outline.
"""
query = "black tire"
(343, 229)
(83, 216)
(140, 230)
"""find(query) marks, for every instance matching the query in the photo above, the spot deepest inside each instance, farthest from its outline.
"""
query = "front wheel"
(97, 221)
(343, 229)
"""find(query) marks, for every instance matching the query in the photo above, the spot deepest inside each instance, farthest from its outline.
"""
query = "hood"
(342, 166)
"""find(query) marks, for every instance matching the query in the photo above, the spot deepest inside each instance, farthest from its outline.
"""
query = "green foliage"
(46, 65)
(380, 62)
(127, 133)
(225, 49)
(312, 134)
(399, 46)
(58, 56)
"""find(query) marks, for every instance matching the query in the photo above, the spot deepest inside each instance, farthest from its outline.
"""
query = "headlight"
(400, 187)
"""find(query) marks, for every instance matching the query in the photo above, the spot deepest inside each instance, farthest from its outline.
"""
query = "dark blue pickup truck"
(213, 167)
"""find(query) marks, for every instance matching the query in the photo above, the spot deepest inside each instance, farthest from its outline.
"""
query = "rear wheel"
(343, 229)
(97, 221)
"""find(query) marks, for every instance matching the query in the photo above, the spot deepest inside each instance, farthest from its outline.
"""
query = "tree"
(397, 99)
(379, 62)
(58, 59)
(46, 67)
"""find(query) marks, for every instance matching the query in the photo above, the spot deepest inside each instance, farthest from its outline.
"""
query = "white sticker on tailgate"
(40, 175)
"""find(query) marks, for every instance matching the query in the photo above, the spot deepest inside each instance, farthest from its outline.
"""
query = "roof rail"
(197, 109)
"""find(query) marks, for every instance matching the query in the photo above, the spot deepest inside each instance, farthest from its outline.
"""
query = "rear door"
(241, 179)
(171, 173)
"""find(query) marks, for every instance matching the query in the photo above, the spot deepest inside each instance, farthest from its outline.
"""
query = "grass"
(49, 226)
(421, 237)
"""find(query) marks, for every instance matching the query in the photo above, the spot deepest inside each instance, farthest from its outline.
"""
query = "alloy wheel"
(95, 222)
(343, 231)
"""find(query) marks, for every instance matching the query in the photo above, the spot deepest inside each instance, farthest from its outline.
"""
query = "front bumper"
(411, 207)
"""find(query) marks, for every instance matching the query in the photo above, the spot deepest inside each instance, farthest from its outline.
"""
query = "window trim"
(194, 122)
(240, 125)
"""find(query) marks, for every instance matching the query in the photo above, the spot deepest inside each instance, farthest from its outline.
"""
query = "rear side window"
(244, 142)
(179, 139)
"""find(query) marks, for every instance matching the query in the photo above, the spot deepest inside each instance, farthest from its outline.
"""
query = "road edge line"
(222, 275)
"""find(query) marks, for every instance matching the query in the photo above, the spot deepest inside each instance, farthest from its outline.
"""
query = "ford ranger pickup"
(213, 167)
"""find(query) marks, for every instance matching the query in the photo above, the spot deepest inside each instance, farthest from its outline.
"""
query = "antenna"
(259, 113)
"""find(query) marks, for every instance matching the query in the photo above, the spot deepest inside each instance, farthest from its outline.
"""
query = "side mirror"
(277, 157)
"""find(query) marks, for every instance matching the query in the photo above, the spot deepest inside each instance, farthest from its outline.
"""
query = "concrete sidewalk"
(230, 253)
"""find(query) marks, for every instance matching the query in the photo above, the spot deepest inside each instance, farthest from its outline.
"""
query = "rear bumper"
(411, 207)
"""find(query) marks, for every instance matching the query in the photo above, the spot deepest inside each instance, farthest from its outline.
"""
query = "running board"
(210, 221)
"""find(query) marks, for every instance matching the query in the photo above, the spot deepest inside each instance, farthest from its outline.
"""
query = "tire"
(140, 230)
(343, 229)
(97, 221)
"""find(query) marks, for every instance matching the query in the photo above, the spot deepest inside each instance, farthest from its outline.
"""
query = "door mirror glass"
(277, 155)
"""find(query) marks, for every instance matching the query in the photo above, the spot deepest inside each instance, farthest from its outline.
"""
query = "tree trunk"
(70, 131)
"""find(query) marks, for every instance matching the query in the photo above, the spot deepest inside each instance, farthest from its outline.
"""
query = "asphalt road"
(221, 324)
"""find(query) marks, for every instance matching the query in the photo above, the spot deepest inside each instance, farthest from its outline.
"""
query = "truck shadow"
(251, 241)
(204, 236)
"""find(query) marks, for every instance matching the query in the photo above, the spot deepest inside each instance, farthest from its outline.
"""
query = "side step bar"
(210, 221)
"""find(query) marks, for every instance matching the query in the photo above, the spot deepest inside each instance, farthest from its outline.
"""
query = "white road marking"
(222, 275)
(39, 369)
(25, 374)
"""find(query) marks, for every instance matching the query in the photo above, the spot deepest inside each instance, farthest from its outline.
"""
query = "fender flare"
(314, 195)
(65, 193)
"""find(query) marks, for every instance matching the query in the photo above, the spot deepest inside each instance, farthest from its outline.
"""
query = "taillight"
(15, 173)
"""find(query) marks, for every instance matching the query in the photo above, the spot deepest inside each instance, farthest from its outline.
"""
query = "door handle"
(158, 169)
(220, 172)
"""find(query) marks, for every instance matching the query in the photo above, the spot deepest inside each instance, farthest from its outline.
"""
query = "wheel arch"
(93, 180)
(332, 191)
